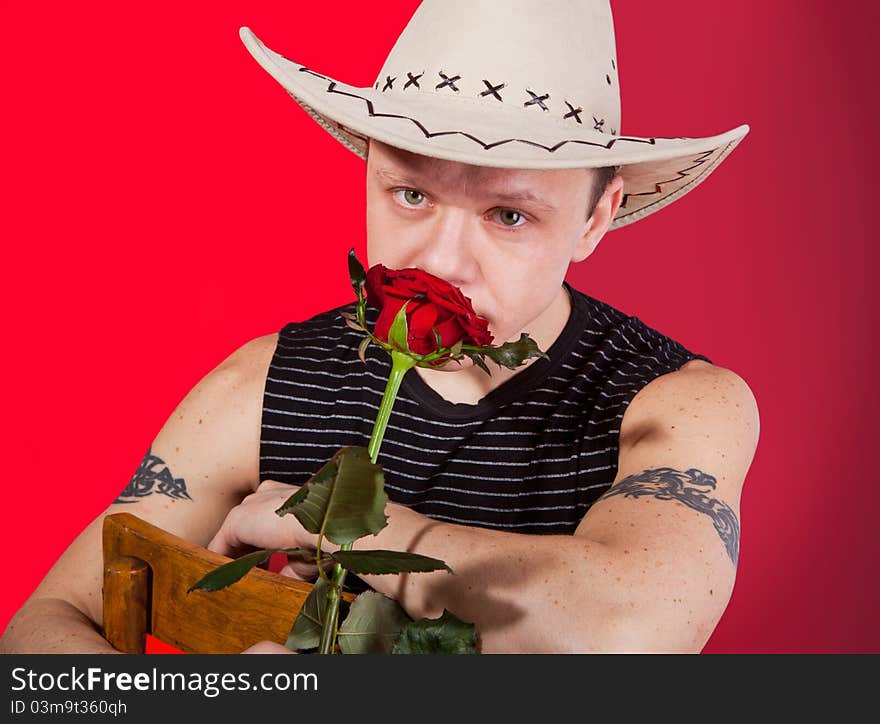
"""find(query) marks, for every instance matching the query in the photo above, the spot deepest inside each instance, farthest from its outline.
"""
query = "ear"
(601, 219)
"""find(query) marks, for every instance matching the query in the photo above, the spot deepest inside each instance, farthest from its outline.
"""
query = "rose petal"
(421, 333)
(374, 285)
(386, 318)
(450, 331)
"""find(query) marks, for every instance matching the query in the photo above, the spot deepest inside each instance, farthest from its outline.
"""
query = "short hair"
(601, 178)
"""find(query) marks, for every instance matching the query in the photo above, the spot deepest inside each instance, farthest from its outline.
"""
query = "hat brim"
(656, 171)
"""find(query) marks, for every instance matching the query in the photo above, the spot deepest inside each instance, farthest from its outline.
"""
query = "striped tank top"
(531, 457)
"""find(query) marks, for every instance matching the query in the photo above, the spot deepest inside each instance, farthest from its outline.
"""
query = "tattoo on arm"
(153, 476)
(670, 484)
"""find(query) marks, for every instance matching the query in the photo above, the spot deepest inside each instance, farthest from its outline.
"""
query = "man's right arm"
(203, 461)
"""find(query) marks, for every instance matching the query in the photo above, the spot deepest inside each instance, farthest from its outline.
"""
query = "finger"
(217, 545)
(298, 572)
(267, 647)
(221, 544)
(302, 569)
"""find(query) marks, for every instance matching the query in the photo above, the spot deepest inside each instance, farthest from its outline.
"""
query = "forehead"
(389, 161)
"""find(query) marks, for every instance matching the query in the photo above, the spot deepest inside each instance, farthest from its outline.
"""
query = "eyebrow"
(523, 195)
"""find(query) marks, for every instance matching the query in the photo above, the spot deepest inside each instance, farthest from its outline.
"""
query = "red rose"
(434, 303)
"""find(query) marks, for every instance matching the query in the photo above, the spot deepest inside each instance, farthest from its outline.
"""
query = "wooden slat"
(262, 606)
(126, 603)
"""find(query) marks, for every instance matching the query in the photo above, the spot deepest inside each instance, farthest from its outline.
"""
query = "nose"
(447, 249)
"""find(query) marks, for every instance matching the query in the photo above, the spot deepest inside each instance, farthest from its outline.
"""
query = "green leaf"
(478, 361)
(231, 572)
(373, 624)
(397, 334)
(327, 471)
(306, 631)
(512, 354)
(378, 562)
(293, 500)
(444, 635)
(348, 505)
(357, 274)
(234, 571)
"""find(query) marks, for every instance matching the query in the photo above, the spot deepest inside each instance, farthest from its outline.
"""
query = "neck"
(471, 384)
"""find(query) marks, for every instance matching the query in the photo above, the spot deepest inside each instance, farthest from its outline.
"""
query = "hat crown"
(555, 59)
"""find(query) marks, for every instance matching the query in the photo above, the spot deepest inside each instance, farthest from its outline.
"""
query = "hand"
(253, 523)
(267, 647)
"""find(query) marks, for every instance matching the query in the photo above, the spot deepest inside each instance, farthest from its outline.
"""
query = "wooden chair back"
(147, 572)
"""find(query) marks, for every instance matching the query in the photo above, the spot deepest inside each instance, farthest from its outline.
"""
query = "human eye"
(410, 198)
(510, 218)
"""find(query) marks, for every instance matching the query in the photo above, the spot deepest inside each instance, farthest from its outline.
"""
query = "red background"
(164, 201)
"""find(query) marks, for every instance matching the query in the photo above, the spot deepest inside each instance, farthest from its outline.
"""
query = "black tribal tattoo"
(670, 484)
(153, 473)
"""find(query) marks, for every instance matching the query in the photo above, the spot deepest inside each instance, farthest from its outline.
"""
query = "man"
(589, 502)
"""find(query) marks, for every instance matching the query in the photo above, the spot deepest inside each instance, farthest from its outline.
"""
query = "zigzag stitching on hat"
(680, 175)
(429, 134)
(303, 69)
(680, 191)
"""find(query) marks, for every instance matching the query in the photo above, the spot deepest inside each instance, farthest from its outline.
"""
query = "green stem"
(331, 615)
(400, 365)
(319, 559)
(328, 635)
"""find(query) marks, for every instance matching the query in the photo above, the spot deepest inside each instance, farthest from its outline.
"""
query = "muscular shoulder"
(699, 402)
(697, 395)
(214, 433)
(250, 362)
(234, 388)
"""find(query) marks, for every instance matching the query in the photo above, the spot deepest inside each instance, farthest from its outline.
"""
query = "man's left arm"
(673, 512)
(651, 566)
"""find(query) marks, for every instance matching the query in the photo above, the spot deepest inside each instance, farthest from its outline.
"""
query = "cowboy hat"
(526, 84)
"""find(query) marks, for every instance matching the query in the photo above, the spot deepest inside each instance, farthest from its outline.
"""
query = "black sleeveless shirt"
(531, 457)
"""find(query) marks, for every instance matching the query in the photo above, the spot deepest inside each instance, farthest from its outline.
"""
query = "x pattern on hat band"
(447, 81)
